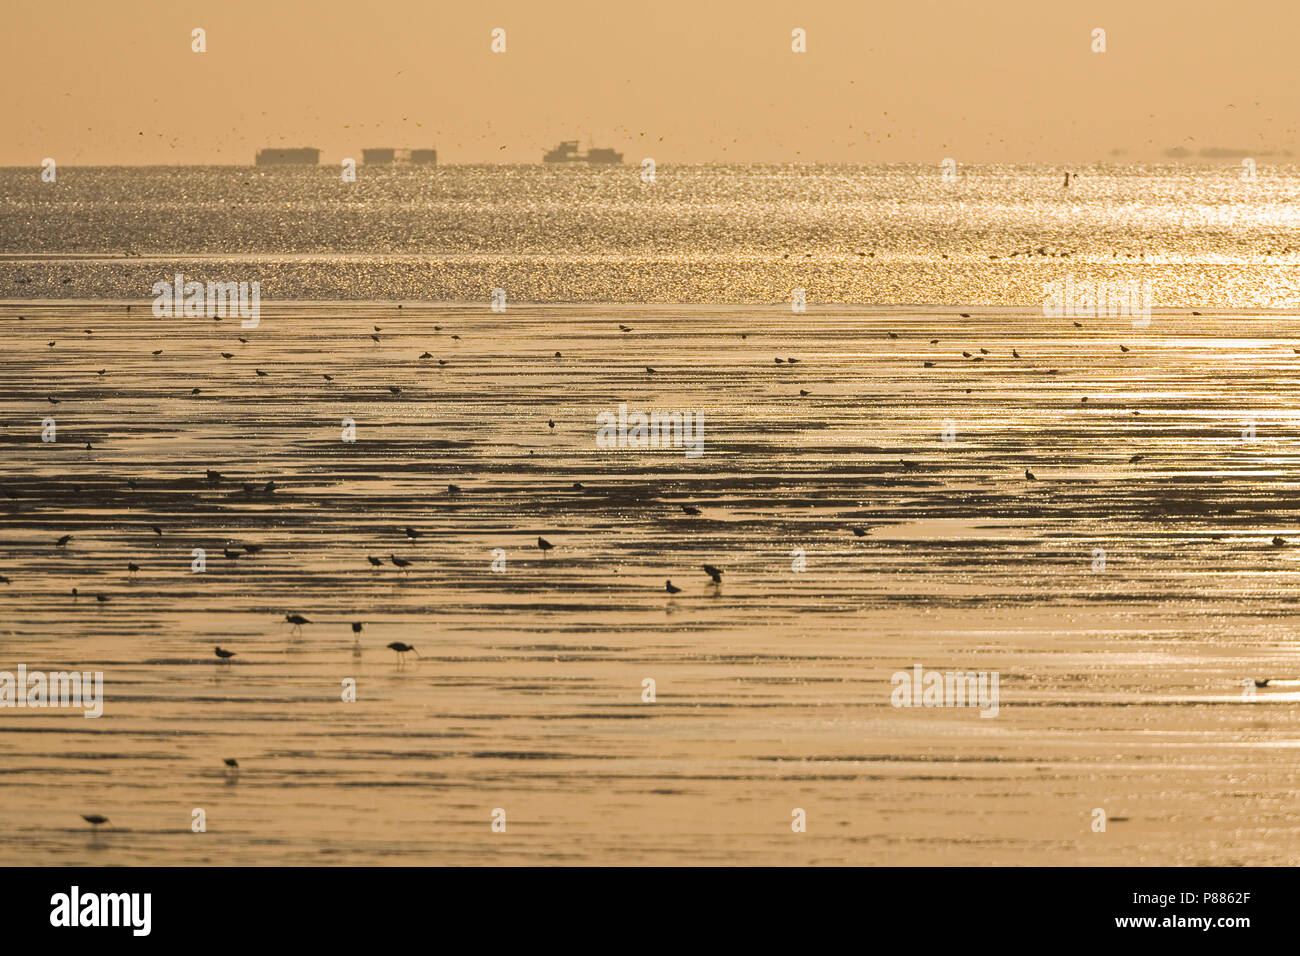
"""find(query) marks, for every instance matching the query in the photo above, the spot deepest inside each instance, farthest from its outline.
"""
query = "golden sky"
(115, 81)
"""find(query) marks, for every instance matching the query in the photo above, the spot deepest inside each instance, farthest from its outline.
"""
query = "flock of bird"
(401, 649)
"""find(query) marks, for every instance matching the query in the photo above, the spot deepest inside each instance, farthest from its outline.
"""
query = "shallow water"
(1121, 689)
(1198, 236)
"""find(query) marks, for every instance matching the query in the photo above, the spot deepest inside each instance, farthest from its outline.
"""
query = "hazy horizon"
(328, 162)
(96, 86)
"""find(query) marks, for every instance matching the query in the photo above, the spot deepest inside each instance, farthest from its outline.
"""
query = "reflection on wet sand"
(1122, 679)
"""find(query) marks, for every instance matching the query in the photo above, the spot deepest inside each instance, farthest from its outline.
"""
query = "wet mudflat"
(1121, 687)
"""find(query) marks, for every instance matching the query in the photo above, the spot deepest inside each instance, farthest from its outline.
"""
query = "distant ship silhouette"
(306, 156)
(310, 156)
(385, 157)
(567, 152)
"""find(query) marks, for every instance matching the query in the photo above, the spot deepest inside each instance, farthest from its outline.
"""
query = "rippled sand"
(1121, 689)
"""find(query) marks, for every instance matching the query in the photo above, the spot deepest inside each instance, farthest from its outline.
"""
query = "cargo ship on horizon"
(399, 157)
(567, 152)
(304, 156)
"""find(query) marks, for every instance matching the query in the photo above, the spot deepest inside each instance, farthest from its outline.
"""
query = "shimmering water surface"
(1121, 688)
(1199, 235)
